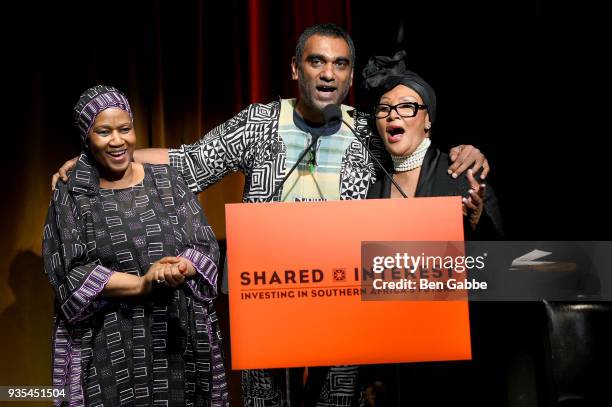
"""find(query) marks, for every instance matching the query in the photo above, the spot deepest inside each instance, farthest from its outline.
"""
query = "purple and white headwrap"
(92, 102)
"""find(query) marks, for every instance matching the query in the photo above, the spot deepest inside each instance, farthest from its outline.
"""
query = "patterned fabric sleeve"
(75, 280)
(212, 157)
(364, 127)
(199, 244)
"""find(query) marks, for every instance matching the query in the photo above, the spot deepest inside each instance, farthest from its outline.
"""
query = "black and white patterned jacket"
(250, 142)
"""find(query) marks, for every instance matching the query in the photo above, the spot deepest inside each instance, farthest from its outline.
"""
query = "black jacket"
(435, 181)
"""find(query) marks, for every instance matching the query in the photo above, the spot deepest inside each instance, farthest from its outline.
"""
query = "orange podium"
(295, 292)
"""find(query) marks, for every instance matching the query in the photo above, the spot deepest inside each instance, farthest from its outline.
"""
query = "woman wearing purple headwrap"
(404, 110)
(133, 263)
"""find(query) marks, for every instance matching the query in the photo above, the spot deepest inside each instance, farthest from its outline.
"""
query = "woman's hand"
(474, 204)
(180, 265)
(172, 271)
(165, 271)
(185, 266)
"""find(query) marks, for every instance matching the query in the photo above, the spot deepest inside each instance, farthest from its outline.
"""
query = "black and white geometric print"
(261, 388)
(340, 387)
(250, 142)
(356, 172)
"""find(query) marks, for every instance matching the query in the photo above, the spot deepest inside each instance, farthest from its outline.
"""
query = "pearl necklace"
(411, 161)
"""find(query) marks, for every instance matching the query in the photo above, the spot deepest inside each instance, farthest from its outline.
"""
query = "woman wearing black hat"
(404, 110)
(403, 113)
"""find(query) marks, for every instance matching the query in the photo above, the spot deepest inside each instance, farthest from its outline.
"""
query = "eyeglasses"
(407, 109)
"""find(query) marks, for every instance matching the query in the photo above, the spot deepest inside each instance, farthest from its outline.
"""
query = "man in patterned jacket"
(264, 141)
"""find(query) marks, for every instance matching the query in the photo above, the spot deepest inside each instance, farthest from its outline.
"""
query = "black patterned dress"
(159, 349)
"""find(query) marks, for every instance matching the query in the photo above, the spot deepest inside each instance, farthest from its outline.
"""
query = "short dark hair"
(325, 30)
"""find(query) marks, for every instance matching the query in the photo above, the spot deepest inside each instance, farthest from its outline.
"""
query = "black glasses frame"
(415, 107)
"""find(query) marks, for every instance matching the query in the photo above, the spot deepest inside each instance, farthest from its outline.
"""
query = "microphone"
(332, 113)
(315, 138)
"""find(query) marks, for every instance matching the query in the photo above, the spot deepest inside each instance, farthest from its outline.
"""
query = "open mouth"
(117, 155)
(394, 133)
(326, 90)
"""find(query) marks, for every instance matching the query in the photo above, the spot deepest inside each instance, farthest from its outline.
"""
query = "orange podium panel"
(295, 293)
